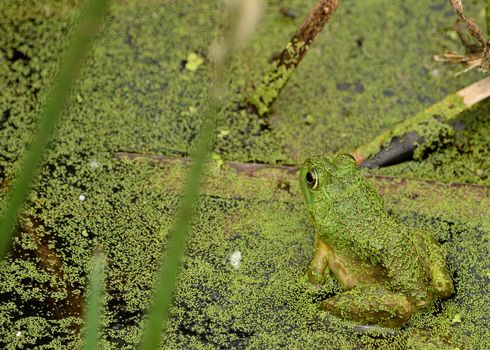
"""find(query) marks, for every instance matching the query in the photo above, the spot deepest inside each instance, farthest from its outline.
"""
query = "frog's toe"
(444, 288)
(370, 328)
(364, 327)
(402, 315)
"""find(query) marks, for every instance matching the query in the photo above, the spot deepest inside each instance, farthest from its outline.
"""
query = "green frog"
(387, 270)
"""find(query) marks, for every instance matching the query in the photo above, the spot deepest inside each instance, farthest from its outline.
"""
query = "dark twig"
(50, 262)
(477, 55)
(285, 64)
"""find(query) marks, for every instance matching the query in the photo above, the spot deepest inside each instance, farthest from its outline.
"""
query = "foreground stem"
(487, 16)
(84, 34)
(172, 258)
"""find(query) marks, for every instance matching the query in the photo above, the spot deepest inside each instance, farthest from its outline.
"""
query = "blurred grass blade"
(158, 314)
(487, 17)
(242, 23)
(93, 302)
(84, 34)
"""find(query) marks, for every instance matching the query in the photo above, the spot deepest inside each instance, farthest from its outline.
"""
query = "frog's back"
(406, 261)
(381, 239)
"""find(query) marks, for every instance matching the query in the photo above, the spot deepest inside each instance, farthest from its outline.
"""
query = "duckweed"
(136, 95)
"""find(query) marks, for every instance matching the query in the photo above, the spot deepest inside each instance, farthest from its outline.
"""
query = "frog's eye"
(312, 179)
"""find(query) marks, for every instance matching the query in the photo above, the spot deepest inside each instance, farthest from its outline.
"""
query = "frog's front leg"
(371, 304)
(318, 268)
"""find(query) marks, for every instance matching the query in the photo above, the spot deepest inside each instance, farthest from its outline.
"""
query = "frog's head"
(323, 176)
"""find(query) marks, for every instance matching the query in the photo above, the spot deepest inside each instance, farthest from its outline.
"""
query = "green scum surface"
(370, 69)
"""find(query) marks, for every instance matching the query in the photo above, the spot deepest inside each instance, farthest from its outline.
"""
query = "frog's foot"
(370, 304)
(442, 283)
(441, 280)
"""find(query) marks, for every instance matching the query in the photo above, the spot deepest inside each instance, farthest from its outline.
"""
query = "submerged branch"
(259, 170)
(50, 262)
(284, 66)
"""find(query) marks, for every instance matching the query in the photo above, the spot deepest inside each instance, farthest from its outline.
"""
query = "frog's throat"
(304, 187)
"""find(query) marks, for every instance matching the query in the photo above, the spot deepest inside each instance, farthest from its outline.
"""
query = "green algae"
(128, 99)
(146, 93)
(358, 82)
(276, 243)
(270, 88)
(83, 35)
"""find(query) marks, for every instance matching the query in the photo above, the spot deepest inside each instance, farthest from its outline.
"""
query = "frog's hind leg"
(370, 304)
(441, 279)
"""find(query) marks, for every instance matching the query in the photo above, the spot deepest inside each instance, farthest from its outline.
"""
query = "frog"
(386, 270)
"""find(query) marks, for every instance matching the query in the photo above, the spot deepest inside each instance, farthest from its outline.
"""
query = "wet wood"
(402, 147)
(476, 92)
(307, 33)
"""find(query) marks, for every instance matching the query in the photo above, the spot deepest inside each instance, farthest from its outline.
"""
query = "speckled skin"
(388, 270)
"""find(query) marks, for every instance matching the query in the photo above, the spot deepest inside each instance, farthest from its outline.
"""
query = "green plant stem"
(85, 32)
(487, 16)
(93, 303)
(172, 260)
